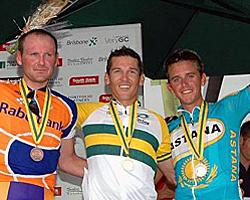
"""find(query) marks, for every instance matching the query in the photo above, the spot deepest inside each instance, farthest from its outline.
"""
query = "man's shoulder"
(60, 95)
(173, 122)
(234, 94)
(170, 119)
(89, 107)
(64, 99)
(90, 104)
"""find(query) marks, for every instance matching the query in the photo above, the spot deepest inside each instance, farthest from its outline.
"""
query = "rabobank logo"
(116, 39)
(83, 42)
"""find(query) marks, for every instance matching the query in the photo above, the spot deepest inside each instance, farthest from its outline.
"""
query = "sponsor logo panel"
(9, 64)
(71, 190)
(2, 65)
(84, 80)
(58, 191)
(56, 82)
(59, 62)
(89, 42)
(102, 59)
(79, 61)
(82, 98)
(117, 39)
(105, 98)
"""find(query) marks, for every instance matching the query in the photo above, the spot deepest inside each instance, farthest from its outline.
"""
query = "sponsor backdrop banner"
(80, 75)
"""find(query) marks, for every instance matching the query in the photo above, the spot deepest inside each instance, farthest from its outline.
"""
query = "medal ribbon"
(197, 148)
(125, 139)
(37, 131)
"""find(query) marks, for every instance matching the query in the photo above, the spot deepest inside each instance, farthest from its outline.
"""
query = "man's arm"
(167, 169)
(162, 188)
(69, 162)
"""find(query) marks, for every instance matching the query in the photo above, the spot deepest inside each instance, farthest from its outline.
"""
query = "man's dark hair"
(245, 129)
(183, 55)
(124, 51)
(21, 40)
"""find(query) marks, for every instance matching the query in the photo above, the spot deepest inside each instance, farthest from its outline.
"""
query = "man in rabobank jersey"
(36, 124)
(204, 136)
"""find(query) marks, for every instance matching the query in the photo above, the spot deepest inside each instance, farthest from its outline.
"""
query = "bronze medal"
(36, 154)
(37, 130)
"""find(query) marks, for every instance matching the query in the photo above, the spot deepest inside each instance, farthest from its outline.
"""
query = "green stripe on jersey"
(142, 135)
(97, 129)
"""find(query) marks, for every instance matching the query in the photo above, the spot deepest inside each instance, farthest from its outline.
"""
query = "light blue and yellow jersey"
(149, 145)
(216, 175)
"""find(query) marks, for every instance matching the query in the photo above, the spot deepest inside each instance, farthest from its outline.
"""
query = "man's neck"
(35, 85)
(125, 103)
(190, 107)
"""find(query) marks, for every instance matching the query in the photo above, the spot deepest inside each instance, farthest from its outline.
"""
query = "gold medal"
(36, 154)
(128, 164)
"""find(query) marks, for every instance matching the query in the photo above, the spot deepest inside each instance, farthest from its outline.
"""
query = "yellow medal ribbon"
(125, 137)
(197, 148)
(37, 131)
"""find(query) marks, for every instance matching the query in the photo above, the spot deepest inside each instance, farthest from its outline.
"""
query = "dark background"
(219, 30)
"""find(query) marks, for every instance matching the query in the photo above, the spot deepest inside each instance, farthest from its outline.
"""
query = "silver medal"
(200, 170)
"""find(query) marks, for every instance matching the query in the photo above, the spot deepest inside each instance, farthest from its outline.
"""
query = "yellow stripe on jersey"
(143, 146)
(102, 139)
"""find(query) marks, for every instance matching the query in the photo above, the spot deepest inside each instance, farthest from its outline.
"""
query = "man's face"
(245, 147)
(38, 59)
(124, 79)
(185, 82)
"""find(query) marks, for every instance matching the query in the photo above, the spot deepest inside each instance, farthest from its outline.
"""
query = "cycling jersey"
(20, 176)
(108, 176)
(215, 176)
